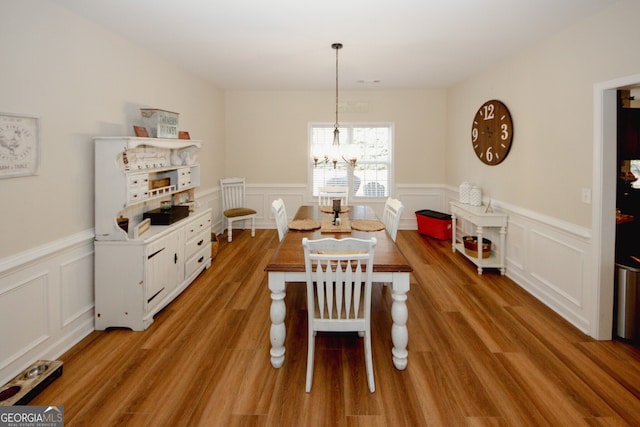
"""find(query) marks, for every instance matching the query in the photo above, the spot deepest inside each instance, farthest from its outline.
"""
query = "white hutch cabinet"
(140, 268)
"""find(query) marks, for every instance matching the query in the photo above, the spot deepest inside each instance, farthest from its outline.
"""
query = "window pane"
(369, 144)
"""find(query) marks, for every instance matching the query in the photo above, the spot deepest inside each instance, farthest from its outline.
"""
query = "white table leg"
(278, 312)
(479, 254)
(453, 232)
(503, 265)
(399, 315)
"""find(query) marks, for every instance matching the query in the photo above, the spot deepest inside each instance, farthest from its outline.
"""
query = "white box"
(160, 123)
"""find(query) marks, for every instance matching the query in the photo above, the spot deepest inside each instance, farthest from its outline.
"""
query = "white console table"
(481, 219)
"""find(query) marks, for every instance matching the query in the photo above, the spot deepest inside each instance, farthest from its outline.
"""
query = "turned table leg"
(277, 313)
(399, 315)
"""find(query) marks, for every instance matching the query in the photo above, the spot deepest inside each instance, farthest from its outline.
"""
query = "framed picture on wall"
(19, 145)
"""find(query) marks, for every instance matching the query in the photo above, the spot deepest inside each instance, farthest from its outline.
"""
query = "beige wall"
(82, 82)
(266, 132)
(549, 91)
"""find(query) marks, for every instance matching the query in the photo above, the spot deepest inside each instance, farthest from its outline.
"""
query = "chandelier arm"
(351, 162)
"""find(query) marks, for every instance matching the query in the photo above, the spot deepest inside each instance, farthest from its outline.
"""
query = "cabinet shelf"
(127, 170)
(133, 142)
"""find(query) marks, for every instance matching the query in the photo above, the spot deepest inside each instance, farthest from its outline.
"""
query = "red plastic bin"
(434, 224)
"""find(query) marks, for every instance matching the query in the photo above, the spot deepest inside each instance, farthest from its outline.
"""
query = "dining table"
(287, 267)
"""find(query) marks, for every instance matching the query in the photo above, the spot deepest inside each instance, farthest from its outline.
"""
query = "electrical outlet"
(586, 196)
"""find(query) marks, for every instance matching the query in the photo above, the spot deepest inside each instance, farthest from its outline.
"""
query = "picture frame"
(19, 145)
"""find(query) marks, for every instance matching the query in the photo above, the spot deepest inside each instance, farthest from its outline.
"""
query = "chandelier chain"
(337, 47)
(337, 154)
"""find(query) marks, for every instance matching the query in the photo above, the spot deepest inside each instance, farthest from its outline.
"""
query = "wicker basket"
(471, 246)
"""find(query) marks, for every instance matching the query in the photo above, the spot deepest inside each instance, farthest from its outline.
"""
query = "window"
(370, 143)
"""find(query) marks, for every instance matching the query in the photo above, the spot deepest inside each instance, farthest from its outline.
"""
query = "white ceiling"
(286, 44)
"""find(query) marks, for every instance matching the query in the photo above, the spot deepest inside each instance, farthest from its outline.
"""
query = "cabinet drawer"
(198, 242)
(184, 178)
(197, 225)
(137, 187)
(198, 260)
(137, 194)
(138, 180)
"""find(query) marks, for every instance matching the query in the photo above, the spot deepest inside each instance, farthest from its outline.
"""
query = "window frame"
(347, 128)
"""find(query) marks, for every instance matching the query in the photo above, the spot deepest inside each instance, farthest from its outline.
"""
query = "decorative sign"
(141, 131)
(19, 145)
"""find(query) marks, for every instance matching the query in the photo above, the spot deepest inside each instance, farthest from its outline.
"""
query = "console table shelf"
(477, 216)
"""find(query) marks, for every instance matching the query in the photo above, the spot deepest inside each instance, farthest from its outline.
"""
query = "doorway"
(605, 172)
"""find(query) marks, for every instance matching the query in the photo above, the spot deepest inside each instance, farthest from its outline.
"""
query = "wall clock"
(492, 132)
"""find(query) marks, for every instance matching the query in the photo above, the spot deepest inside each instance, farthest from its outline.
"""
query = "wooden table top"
(290, 257)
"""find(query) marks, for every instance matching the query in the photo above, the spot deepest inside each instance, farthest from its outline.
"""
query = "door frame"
(604, 199)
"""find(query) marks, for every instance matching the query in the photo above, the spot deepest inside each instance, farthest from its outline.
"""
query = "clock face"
(492, 132)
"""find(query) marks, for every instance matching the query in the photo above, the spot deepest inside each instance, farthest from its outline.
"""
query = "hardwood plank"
(500, 394)
(607, 356)
(541, 390)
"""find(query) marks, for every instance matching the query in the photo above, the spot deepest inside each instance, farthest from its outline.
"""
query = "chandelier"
(335, 153)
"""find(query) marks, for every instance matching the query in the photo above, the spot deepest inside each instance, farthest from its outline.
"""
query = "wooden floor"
(482, 352)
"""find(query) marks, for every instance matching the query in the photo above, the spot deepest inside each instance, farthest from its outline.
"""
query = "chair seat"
(232, 213)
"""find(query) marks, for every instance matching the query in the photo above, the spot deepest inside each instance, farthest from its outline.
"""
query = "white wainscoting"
(551, 260)
(46, 294)
(260, 196)
(46, 302)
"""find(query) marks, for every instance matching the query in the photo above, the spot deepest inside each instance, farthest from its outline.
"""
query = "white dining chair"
(391, 216)
(338, 274)
(280, 214)
(326, 195)
(233, 205)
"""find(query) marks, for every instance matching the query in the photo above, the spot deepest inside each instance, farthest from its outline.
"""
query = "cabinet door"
(162, 268)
